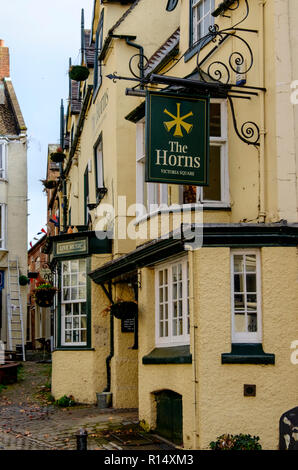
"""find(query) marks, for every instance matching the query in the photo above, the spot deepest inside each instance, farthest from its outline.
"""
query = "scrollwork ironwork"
(249, 131)
(220, 71)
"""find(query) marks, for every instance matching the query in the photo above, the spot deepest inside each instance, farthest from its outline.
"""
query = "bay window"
(73, 303)
(149, 195)
(217, 191)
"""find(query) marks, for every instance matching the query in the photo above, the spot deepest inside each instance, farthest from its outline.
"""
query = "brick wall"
(4, 61)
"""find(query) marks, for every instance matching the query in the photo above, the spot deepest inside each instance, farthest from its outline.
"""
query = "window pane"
(215, 120)
(238, 263)
(76, 309)
(240, 322)
(238, 283)
(67, 309)
(84, 336)
(252, 302)
(65, 266)
(68, 337)
(66, 294)
(251, 263)
(76, 336)
(252, 322)
(251, 283)
(82, 265)
(74, 293)
(239, 302)
(161, 312)
(74, 279)
(74, 266)
(212, 192)
(82, 293)
(66, 280)
(189, 194)
(83, 322)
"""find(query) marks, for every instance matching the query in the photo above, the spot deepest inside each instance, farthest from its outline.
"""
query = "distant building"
(38, 318)
(13, 210)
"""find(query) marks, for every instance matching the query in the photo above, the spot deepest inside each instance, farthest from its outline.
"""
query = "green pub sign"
(177, 139)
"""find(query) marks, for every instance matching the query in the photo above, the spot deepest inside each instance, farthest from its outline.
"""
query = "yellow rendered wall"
(222, 406)
(83, 373)
(154, 378)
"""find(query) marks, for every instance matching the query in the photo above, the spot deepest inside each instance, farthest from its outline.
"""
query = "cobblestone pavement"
(28, 420)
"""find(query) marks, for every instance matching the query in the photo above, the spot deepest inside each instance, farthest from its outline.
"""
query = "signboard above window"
(177, 139)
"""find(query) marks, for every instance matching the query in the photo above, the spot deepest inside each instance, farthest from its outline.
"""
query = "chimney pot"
(1, 42)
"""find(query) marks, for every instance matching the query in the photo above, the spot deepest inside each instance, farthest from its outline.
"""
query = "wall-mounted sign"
(74, 247)
(177, 139)
(128, 325)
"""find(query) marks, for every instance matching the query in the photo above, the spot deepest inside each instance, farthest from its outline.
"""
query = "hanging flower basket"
(124, 309)
(58, 156)
(44, 294)
(49, 184)
(23, 280)
(78, 73)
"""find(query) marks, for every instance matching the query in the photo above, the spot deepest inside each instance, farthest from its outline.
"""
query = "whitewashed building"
(13, 211)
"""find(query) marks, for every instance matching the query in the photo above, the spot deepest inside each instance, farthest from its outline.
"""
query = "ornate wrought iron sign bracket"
(216, 78)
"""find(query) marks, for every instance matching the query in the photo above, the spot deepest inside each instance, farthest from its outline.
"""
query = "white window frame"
(221, 142)
(247, 337)
(3, 228)
(157, 194)
(196, 21)
(71, 302)
(172, 340)
(3, 160)
(99, 165)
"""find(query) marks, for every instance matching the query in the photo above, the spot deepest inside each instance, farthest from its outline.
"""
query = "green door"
(169, 415)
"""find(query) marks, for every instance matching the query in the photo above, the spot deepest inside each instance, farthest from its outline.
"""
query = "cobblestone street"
(29, 421)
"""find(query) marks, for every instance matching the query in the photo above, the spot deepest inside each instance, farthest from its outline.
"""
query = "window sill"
(171, 355)
(247, 353)
(177, 208)
(194, 49)
(73, 348)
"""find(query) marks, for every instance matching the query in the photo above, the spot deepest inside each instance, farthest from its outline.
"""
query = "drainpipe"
(262, 211)
(111, 355)
(64, 197)
(129, 42)
(194, 353)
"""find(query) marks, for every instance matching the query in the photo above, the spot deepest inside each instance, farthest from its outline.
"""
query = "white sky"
(41, 36)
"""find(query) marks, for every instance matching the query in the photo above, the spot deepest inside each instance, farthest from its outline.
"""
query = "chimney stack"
(4, 61)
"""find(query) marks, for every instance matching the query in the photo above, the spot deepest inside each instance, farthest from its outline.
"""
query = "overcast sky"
(41, 36)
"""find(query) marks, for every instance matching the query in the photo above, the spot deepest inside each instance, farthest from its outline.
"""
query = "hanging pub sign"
(177, 139)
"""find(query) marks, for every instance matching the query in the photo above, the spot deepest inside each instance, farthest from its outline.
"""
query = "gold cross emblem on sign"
(178, 122)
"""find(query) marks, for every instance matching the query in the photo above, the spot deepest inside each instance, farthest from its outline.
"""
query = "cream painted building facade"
(212, 342)
(13, 207)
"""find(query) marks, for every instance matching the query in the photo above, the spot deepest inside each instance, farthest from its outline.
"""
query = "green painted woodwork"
(247, 353)
(171, 355)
